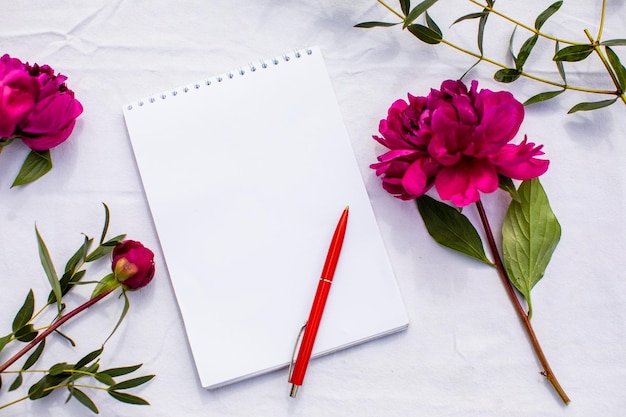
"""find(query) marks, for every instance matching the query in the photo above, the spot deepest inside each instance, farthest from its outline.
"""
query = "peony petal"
(17, 97)
(463, 182)
(519, 162)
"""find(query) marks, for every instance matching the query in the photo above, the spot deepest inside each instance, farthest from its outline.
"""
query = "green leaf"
(450, 228)
(26, 333)
(105, 284)
(84, 400)
(417, 11)
(128, 398)
(368, 25)
(48, 267)
(614, 42)
(530, 234)
(36, 165)
(34, 356)
(67, 282)
(25, 312)
(593, 105)
(432, 25)
(481, 27)
(507, 75)
(618, 68)
(5, 340)
(525, 50)
(17, 383)
(573, 53)
(88, 358)
(425, 34)
(506, 184)
(79, 255)
(105, 228)
(546, 14)
(547, 95)
(60, 369)
(131, 383)
(105, 248)
(559, 64)
(121, 319)
(406, 6)
(469, 17)
(104, 378)
(113, 372)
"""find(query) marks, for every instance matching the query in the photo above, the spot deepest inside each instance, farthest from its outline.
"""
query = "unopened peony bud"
(133, 264)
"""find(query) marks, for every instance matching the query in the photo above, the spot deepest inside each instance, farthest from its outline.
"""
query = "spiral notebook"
(246, 174)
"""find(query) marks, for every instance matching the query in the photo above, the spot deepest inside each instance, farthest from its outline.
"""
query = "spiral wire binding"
(263, 64)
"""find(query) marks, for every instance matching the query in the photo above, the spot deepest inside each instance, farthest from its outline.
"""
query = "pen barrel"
(310, 332)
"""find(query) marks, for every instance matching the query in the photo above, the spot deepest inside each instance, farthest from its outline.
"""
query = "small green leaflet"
(417, 11)
(425, 34)
(84, 399)
(618, 68)
(450, 228)
(591, 105)
(48, 267)
(25, 313)
(530, 234)
(546, 95)
(546, 14)
(573, 53)
(368, 25)
(35, 166)
(507, 75)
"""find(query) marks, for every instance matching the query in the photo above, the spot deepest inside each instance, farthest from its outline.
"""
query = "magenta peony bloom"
(18, 91)
(133, 264)
(456, 140)
(53, 117)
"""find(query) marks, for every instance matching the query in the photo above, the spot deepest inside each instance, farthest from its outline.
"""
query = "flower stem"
(547, 371)
(386, 6)
(52, 328)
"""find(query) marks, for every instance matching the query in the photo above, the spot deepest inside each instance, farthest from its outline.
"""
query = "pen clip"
(295, 348)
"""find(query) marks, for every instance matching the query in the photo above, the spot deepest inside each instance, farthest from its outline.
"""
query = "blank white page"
(246, 175)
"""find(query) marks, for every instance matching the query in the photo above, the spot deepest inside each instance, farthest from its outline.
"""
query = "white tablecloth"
(465, 353)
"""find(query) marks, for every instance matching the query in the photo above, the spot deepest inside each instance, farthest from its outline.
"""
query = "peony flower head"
(54, 114)
(458, 141)
(133, 264)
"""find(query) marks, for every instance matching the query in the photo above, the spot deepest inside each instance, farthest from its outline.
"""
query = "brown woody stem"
(547, 371)
(52, 328)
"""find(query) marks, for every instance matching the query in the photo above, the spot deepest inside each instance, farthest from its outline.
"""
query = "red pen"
(310, 328)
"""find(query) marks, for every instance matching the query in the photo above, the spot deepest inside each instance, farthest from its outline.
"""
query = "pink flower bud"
(133, 264)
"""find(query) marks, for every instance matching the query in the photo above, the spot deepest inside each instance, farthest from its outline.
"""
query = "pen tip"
(294, 391)
(347, 207)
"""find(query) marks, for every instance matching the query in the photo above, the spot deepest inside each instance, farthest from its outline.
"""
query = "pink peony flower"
(18, 91)
(457, 141)
(133, 264)
(53, 117)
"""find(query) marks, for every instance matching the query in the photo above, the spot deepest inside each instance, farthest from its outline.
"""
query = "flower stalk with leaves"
(458, 141)
(132, 268)
(430, 33)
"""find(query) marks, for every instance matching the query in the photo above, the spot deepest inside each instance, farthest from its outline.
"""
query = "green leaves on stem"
(530, 233)
(69, 376)
(64, 375)
(572, 52)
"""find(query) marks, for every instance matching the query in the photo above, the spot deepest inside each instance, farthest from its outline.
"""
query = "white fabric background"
(465, 354)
